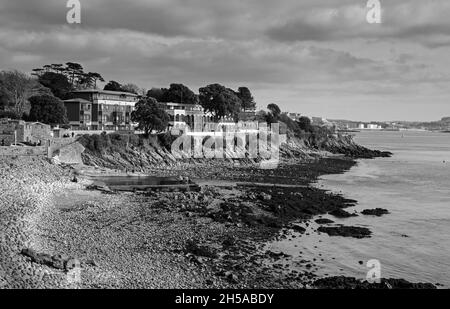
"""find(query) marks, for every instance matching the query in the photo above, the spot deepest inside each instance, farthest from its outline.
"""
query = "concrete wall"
(58, 143)
(70, 154)
(23, 151)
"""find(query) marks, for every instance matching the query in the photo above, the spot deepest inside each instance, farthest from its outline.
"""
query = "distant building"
(18, 131)
(294, 116)
(247, 115)
(110, 110)
(369, 126)
(101, 110)
(182, 115)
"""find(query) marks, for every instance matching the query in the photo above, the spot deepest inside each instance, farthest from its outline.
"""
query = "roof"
(77, 100)
(9, 120)
(105, 92)
(37, 123)
(180, 104)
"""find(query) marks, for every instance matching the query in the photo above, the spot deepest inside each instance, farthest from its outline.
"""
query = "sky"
(315, 57)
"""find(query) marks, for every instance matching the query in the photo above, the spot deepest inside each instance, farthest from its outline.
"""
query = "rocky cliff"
(136, 153)
(344, 144)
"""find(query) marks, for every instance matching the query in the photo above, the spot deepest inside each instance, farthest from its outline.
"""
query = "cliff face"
(347, 146)
(135, 153)
(125, 152)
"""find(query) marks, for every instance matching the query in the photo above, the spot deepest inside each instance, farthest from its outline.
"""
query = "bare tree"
(17, 87)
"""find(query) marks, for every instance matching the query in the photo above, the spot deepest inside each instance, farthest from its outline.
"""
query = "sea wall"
(10, 151)
(70, 154)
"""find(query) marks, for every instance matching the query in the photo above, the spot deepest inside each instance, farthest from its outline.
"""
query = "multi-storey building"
(181, 114)
(110, 110)
(101, 110)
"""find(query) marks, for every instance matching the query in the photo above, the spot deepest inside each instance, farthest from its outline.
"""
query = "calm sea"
(413, 241)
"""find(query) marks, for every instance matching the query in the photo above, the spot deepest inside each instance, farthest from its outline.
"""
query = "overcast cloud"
(316, 57)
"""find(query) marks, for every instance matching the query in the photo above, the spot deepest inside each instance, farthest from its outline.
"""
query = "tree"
(74, 71)
(220, 101)
(261, 116)
(113, 86)
(150, 116)
(8, 114)
(179, 93)
(131, 88)
(47, 109)
(94, 77)
(57, 68)
(305, 124)
(274, 112)
(290, 124)
(38, 72)
(57, 83)
(248, 102)
(157, 94)
(16, 88)
(89, 80)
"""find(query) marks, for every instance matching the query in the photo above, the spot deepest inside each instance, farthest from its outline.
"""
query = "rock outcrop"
(117, 152)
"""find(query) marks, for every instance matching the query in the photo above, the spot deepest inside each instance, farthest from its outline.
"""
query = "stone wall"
(23, 151)
(39, 132)
(31, 132)
(6, 139)
(7, 129)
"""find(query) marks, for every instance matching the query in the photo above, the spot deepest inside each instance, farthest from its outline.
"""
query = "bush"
(290, 124)
(9, 114)
(47, 109)
(304, 123)
(166, 140)
(113, 142)
(94, 143)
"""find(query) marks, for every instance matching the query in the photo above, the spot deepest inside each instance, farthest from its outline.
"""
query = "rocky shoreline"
(27, 187)
(214, 238)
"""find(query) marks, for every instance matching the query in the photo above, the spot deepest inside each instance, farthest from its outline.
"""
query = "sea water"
(413, 241)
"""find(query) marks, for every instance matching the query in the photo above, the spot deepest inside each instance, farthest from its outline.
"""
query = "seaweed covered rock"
(375, 212)
(345, 231)
(342, 282)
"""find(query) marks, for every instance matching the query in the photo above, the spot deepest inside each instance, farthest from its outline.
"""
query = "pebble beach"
(57, 232)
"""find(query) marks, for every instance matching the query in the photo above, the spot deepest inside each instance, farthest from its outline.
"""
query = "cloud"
(195, 60)
(413, 21)
(285, 51)
(169, 18)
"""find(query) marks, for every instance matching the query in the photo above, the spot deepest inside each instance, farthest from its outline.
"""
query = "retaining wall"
(23, 151)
